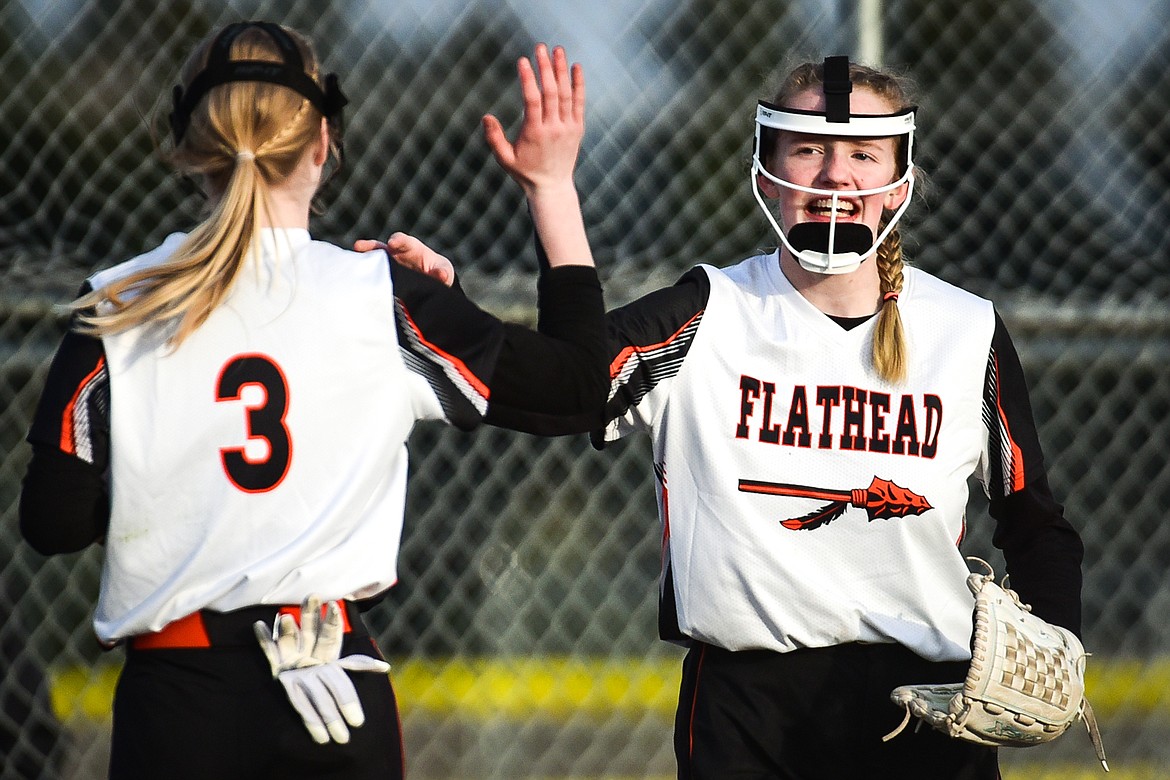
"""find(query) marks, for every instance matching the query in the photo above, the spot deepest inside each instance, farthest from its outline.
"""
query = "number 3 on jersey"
(260, 465)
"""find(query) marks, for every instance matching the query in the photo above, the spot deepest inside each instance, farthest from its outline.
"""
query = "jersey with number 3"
(265, 457)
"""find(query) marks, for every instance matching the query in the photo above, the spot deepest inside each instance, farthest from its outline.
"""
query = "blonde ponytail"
(241, 138)
(195, 280)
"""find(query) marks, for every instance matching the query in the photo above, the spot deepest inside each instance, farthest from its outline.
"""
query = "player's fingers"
(399, 241)
(502, 150)
(301, 702)
(288, 639)
(310, 621)
(268, 645)
(529, 91)
(367, 245)
(364, 663)
(414, 254)
(564, 84)
(550, 105)
(407, 249)
(327, 693)
(329, 634)
(578, 78)
(345, 698)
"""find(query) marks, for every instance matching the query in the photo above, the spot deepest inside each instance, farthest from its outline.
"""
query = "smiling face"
(834, 163)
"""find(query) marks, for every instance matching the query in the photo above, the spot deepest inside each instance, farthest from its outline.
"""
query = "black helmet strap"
(290, 72)
(837, 88)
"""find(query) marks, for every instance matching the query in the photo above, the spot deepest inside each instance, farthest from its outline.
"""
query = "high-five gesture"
(545, 151)
(544, 154)
(541, 160)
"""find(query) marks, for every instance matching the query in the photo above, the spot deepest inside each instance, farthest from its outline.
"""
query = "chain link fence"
(523, 629)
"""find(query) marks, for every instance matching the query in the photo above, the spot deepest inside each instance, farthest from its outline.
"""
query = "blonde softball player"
(815, 415)
(229, 411)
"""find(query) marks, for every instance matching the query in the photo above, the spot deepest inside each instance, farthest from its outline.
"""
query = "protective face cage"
(826, 247)
(288, 73)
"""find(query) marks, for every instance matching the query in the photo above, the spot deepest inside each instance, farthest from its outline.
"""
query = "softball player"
(815, 415)
(228, 416)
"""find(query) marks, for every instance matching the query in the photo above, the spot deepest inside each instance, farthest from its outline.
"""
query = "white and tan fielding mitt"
(1025, 686)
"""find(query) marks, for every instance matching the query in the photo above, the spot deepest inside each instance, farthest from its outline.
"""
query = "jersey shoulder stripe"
(650, 339)
(1013, 451)
(1006, 457)
(640, 368)
(73, 414)
(77, 424)
(463, 395)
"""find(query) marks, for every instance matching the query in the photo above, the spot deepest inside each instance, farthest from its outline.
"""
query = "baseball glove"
(1026, 684)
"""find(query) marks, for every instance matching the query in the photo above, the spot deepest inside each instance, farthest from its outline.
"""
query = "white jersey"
(805, 501)
(265, 457)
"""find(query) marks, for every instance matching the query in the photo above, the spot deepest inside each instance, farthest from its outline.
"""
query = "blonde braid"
(294, 125)
(889, 338)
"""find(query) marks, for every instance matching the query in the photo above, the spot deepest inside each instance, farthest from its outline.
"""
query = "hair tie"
(892, 295)
(246, 154)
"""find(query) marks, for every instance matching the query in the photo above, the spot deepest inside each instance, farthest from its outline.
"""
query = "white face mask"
(826, 247)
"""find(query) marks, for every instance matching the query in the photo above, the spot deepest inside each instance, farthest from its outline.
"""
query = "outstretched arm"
(560, 371)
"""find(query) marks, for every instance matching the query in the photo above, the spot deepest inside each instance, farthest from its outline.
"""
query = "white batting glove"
(306, 660)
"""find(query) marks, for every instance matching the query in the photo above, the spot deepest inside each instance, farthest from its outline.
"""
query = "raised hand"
(544, 154)
(545, 150)
(541, 160)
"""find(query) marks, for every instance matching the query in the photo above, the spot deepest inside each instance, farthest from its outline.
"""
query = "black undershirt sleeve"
(1043, 553)
(557, 372)
(563, 406)
(448, 340)
(64, 503)
(553, 381)
(64, 499)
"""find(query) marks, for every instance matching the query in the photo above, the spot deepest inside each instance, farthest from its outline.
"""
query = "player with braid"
(815, 414)
(229, 411)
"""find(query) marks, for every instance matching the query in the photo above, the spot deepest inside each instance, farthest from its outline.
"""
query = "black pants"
(815, 714)
(197, 714)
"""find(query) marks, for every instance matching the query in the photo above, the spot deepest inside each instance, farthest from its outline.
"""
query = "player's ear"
(768, 188)
(321, 146)
(896, 197)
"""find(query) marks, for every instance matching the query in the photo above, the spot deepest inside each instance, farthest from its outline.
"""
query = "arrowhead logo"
(881, 500)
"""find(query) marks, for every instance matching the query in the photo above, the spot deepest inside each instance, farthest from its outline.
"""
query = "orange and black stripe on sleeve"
(449, 341)
(1014, 448)
(75, 419)
(73, 413)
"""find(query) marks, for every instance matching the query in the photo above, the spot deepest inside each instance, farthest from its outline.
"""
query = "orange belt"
(207, 628)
